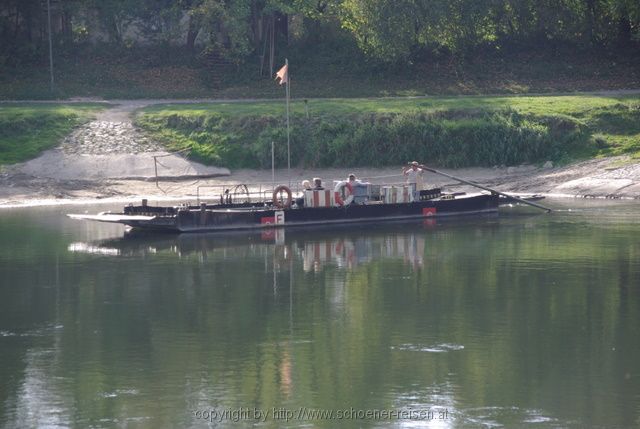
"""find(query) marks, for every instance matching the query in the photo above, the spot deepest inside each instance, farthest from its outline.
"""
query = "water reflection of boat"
(353, 251)
(341, 247)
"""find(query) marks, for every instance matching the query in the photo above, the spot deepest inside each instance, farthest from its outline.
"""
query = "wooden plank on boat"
(112, 218)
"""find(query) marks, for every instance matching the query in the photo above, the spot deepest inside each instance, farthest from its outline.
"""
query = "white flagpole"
(273, 166)
(50, 44)
(286, 62)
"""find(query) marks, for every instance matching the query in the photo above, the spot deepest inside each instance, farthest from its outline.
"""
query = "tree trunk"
(590, 20)
(256, 26)
(116, 34)
(16, 27)
(272, 46)
(192, 33)
(624, 31)
(28, 20)
(67, 30)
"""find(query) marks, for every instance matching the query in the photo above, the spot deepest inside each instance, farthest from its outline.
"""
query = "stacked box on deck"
(375, 192)
(396, 194)
(319, 198)
(361, 192)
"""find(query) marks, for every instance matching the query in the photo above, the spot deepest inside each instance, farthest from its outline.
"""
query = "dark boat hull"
(216, 218)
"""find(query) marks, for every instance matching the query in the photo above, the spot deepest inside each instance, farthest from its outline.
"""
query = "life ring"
(278, 202)
(347, 198)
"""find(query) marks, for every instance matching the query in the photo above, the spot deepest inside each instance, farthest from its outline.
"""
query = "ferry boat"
(235, 208)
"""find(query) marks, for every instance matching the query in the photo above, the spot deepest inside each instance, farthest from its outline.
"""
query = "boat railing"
(240, 192)
(228, 193)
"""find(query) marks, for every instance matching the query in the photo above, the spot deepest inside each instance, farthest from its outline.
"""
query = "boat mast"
(287, 89)
(273, 165)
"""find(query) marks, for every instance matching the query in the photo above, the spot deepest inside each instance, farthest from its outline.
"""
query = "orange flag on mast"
(283, 74)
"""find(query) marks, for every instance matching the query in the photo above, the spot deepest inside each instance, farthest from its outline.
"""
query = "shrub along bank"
(455, 132)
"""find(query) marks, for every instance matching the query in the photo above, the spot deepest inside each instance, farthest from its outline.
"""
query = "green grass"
(447, 131)
(28, 129)
(540, 105)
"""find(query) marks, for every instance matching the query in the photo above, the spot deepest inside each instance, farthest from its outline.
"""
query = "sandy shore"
(608, 178)
(108, 160)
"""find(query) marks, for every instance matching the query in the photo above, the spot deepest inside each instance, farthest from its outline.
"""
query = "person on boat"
(306, 186)
(347, 189)
(414, 173)
(352, 179)
(317, 184)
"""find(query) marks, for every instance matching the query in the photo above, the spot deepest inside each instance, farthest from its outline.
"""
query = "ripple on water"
(437, 348)
(508, 417)
(119, 392)
(37, 332)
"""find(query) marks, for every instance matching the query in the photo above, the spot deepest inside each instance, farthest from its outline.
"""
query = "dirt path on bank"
(108, 159)
(104, 158)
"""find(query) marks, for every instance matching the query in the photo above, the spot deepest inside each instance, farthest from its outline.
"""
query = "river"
(521, 319)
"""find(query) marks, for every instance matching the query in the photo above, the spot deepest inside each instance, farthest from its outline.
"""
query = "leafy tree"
(389, 30)
(386, 29)
(159, 20)
(626, 16)
(226, 24)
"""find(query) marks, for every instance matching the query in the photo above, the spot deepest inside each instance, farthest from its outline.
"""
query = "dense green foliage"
(418, 42)
(401, 28)
(386, 29)
(455, 132)
(352, 48)
(27, 130)
(449, 138)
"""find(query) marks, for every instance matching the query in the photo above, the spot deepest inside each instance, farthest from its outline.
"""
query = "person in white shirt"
(352, 179)
(414, 178)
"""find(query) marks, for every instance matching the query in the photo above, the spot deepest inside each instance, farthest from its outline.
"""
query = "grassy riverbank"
(445, 131)
(28, 129)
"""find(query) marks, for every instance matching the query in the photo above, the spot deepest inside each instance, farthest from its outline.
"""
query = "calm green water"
(516, 320)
